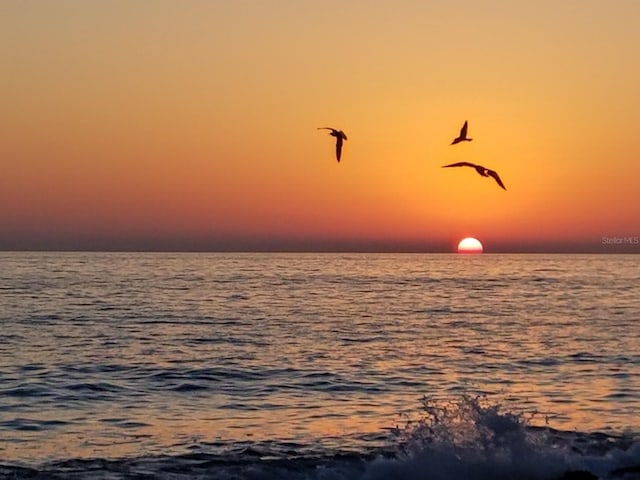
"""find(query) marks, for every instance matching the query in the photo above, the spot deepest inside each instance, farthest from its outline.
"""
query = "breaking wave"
(467, 438)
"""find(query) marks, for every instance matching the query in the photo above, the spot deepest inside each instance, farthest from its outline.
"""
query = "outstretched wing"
(338, 147)
(460, 164)
(496, 177)
(327, 128)
(463, 130)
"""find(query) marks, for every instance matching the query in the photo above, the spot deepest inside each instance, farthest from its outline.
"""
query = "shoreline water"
(301, 363)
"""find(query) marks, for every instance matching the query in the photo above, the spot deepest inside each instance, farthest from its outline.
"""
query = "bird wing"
(327, 128)
(460, 164)
(338, 148)
(497, 178)
(463, 130)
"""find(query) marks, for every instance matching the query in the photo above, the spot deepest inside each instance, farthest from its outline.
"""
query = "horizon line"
(325, 251)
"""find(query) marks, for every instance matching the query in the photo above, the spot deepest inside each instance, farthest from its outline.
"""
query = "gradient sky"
(157, 124)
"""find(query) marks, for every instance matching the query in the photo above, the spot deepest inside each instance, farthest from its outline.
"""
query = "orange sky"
(192, 125)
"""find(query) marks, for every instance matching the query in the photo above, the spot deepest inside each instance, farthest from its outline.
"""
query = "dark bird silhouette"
(463, 135)
(340, 136)
(483, 171)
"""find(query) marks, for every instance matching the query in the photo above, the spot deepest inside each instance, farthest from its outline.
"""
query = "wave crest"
(469, 437)
(463, 426)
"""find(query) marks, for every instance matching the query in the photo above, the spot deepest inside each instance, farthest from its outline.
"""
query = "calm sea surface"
(277, 365)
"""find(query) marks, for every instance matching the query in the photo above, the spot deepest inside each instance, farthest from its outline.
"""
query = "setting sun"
(469, 245)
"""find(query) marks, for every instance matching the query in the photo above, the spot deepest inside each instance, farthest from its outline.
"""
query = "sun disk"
(469, 245)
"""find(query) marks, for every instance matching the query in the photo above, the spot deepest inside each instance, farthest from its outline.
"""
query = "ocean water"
(319, 366)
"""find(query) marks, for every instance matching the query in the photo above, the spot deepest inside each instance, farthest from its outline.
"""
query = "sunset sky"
(192, 125)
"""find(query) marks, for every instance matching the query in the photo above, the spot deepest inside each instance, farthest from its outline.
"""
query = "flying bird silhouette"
(340, 136)
(483, 171)
(463, 135)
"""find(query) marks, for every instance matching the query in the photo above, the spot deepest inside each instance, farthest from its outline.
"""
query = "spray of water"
(471, 438)
(467, 427)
